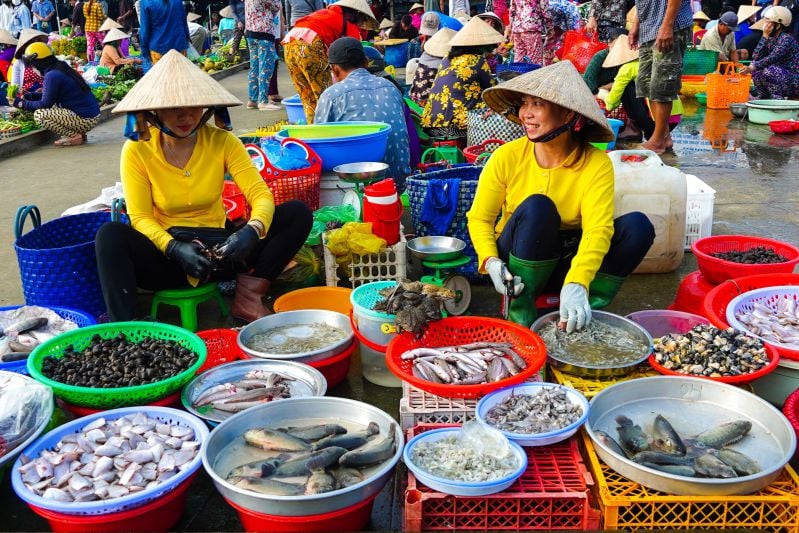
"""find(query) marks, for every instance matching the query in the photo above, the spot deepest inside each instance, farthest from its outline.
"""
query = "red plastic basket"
(789, 409)
(79, 411)
(336, 368)
(222, 347)
(773, 356)
(352, 518)
(579, 48)
(300, 184)
(717, 270)
(552, 495)
(784, 126)
(462, 330)
(691, 294)
(232, 193)
(619, 113)
(158, 515)
(717, 300)
(471, 153)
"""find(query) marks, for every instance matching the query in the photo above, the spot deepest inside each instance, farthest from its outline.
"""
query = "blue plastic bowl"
(397, 54)
(336, 151)
(615, 125)
(294, 109)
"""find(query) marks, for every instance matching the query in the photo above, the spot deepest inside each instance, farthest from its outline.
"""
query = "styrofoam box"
(698, 210)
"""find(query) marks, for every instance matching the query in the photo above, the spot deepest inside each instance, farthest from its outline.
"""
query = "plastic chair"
(187, 301)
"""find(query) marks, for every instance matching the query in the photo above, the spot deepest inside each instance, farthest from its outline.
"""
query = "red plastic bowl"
(773, 356)
(719, 298)
(336, 367)
(691, 294)
(159, 515)
(784, 126)
(717, 270)
(789, 409)
(222, 347)
(462, 330)
(79, 411)
(353, 518)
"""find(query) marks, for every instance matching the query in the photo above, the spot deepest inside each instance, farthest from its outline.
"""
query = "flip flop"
(70, 141)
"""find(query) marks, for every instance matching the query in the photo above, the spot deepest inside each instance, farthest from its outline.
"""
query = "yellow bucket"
(328, 298)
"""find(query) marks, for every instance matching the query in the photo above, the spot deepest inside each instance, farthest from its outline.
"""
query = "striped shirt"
(651, 13)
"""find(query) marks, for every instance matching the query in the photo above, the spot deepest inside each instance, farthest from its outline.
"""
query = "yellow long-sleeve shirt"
(581, 188)
(159, 195)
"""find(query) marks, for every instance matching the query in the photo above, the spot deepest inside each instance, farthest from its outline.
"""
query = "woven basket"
(10, 132)
(696, 62)
(484, 124)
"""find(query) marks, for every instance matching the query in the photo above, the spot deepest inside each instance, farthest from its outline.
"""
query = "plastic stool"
(187, 301)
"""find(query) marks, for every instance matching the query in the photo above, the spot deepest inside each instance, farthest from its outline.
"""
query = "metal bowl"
(739, 110)
(693, 405)
(361, 172)
(598, 371)
(436, 248)
(307, 316)
(297, 411)
(308, 382)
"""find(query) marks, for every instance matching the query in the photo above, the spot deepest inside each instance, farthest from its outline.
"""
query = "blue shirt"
(59, 89)
(362, 96)
(163, 27)
(651, 13)
(42, 8)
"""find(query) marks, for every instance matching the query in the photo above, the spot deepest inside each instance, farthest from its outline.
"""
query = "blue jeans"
(533, 233)
(262, 65)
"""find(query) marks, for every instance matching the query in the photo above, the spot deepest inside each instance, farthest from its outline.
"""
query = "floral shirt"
(782, 52)
(457, 89)
(529, 16)
(259, 15)
(611, 12)
(563, 14)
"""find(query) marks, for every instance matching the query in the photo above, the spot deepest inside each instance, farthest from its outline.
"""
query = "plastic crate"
(389, 265)
(592, 387)
(698, 210)
(627, 505)
(553, 494)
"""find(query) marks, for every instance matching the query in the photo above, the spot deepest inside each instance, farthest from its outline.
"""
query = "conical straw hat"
(438, 45)
(700, 15)
(227, 12)
(175, 82)
(417, 5)
(632, 14)
(115, 34)
(358, 5)
(760, 25)
(110, 24)
(7, 38)
(620, 53)
(26, 36)
(191, 17)
(385, 24)
(476, 32)
(559, 83)
(744, 12)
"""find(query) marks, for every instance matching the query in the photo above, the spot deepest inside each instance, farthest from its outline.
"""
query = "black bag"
(210, 237)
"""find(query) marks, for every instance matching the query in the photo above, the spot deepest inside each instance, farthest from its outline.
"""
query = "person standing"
(43, 15)
(259, 30)
(238, 14)
(78, 20)
(662, 30)
(6, 15)
(529, 22)
(163, 28)
(22, 18)
(606, 15)
(127, 16)
(93, 12)
(296, 9)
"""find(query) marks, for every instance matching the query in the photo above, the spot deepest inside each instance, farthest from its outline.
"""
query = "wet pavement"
(755, 175)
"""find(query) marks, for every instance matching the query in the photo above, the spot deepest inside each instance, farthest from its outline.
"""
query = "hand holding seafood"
(467, 364)
(756, 255)
(258, 386)
(111, 459)
(711, 352)
(414, 304)
(296, 338)
(775, 320)
(547, 410)
(597, 344)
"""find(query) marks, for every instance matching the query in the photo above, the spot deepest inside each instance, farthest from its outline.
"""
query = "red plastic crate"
(553, 494)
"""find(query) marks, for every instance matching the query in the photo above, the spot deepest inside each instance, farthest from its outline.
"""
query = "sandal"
(75, 140)
(276, 98)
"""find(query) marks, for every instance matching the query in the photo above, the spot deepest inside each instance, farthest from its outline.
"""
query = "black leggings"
(127, 260)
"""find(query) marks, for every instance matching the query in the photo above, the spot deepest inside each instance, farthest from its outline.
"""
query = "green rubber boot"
(603, 289)
(535, 275)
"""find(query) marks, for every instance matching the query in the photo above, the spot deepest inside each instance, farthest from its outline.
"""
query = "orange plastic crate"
(627, 505)
(553, 494)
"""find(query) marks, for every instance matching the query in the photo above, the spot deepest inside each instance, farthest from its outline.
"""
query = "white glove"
(574, 307)
(500, 276)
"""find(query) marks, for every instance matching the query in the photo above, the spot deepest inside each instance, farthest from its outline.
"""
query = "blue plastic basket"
(57, 262)
(80, 318)
(364, 297)
(397, 54)
(131, 501)
(518, 67)
(294, 109)
(417, 190)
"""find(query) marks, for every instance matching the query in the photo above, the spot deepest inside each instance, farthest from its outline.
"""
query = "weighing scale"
(443, 255)
(360, 174)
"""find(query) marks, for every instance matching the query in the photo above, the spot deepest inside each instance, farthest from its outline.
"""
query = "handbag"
(209, 237)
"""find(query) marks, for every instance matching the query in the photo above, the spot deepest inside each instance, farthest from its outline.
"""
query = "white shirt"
(6, 17)
(458, 6)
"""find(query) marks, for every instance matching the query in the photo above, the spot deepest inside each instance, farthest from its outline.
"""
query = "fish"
(661, 458)
(23, 326)
(548, 409)
(375, 451)
(272, 439)
(268, 486)
(349, 441)
(710, 465)
(679, 470)
(665, 437)
(316, 432)
(320, 482)
(741, 463)
(347, 477)
(724, 434)
(305, 464)
(631, 437)
(610, 442)
(262, 468)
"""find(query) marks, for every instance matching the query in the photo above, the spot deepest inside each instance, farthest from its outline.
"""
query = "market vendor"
(305, 46)
(721, 37)
(111, 56)
(554, 195)
(435, 49)
(173, 170)
(66, 104)
(775, 62)
(8, 45)
(23, 77)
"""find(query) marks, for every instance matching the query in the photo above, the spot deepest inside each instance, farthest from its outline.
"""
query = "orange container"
(328, 298)
(727, 86)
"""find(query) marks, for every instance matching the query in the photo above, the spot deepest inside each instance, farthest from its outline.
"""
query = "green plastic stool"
(187, 301)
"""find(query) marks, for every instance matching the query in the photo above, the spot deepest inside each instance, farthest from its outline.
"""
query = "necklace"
(186, 171)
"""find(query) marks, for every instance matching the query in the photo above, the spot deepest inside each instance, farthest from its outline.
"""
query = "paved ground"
(754, 175)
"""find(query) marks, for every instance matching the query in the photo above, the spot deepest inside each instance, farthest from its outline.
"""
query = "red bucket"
(335, 368)
(691, 294)
(79, 412)
(352, 518)
(383, 208)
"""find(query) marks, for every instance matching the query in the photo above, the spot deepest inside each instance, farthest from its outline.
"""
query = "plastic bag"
(25, 405)
(289, 157)
(353, 238)
(192, 53)
(485, 440)
(302, 271)
(90, 74)
(329, 213)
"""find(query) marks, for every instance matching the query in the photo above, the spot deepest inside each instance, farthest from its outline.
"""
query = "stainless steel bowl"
(295, 411)
(598, 371)
(307, 316)
(693, 405)
(739, 110)
(436, 248)
(361, 172)
(308, 382)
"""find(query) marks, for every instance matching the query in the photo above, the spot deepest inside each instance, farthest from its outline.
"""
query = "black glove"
(190, 257)
(238, 246)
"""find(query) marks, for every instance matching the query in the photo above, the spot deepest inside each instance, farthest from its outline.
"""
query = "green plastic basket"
(698, 62)
(111, 398)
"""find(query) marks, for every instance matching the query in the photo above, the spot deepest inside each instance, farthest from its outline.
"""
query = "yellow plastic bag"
(353, 238)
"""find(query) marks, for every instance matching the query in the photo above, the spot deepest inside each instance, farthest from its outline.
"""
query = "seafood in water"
(267, 486)
(273, 439)
(110, 459)
(414, 304)
(469, 364)
(725, 434)
(756, 255)
(547, 410)
(631, 436)
(711, 352)
(257, 387)
(773, 320)
(597, 344)
(296, 338)
(315, 432)
(666, 439)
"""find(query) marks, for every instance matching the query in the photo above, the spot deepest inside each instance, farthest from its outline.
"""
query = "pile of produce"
(414, 304)
(117, 85)
(18, 121)
(549, 409)
(711, 352)
(776, 321)
(258, 386)
(757, 255)
(466, 364)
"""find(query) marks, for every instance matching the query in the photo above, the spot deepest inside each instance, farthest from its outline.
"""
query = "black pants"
(533, 233)
(638, 111)
(127, 260)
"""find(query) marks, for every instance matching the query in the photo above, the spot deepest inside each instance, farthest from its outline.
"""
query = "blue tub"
(294, 109)
(397, 55)
(616, 125)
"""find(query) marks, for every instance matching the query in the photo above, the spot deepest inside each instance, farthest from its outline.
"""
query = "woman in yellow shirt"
(173, 170)
(553, 194)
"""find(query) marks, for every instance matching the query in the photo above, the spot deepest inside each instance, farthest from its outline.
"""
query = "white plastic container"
(375, 370)
(660, 192)
(698, 210)
(375, 327)
(332, 190)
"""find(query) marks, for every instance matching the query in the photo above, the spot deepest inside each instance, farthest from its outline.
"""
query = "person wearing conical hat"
(95, 18)
(8, 45)
(746, 17)
(775, 62)
(552, 193)
(383, 29)
(66, 104)
(173, 169)
(700, 21)
(162, 27)
(528, 26)
(416, 11)
(24, 77)
(460, 79)
(111, 56)
(199, 36)
(305, 46)
(435, 50)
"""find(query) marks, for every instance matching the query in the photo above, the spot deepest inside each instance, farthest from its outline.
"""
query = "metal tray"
(296, 410)
(307, 316)
(599, 372)
(693, 405)
(361, 172)
(308, 382)
(436, 248)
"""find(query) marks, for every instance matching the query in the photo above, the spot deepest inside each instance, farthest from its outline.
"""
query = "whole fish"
(305, 464)
(678, 470)
(22, 326)
(610, 442)
(262, 468)
(316, 432)
(665, 437)
(347, 477)
(320, 482)
(631, 437)
(724, 434)
(661, 458)
(711, 466)
(268, 486)
(375, 451)
(349, 441)
(741, 463)
(271, 439)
